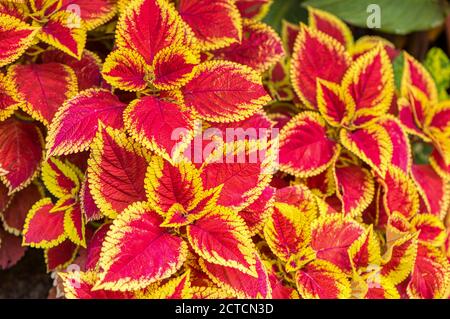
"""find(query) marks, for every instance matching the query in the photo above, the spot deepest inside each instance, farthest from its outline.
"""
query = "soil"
(26, 280)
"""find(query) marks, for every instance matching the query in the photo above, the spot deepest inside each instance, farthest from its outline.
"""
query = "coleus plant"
(123, 169)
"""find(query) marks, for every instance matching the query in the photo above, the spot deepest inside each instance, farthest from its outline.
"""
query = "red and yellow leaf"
(305, 149)
(76, 122)
(60, 256)
(321, 279)
(215, 23)
(332, 236)
(148, 26)
(8, 102)
(371, 144)
(336, 108)
(312, 47)
(237, 283)
(176, 288)
(87, 203)
(255, 214)
(222, 91)
(253, 9)
(365, 252)
(74, 225)
(137, 251)
(370, 83)
(331, 25)
(430, 276)
(80, 285)
(168, 184)
(433, 190)
(260, 48)
(65, 31)
(43, 88)
(61, 178)
(116, 172)
(355, 188)
(127, 70)
(242, 170)
(432, 229)
(401, 155)
(400, 194)
(398, 261)
(173, 67)
(42, 228)
(16, 36)
(415, 74)
(222, 238)
(20, 153)
(287, 231)
(161, 126)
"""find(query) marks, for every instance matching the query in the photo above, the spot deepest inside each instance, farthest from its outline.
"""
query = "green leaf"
(438, 64)
(397, 16)
(290, 10)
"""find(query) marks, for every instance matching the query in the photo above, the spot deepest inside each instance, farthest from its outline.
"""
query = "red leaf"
(260, 47)
(14, 215)
(60, 256)
(44, 229)
(216, 23)
(224, 91)
(76, 123)
(222, 238)
(20, 152)
(240, 284)
(116, 172)
(162, 126)
(44, 88)
(138, 252)
(305, 149)
(312, 48)
(11, 250)
(16, 36)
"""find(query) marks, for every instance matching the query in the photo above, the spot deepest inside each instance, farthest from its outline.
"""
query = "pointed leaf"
(222, 238)
(43, 229)
(370, 83)
(371, 144)
(61, 178)
(44, 88)
(162, 126)
(312, 47)
(331, 25)
(216, 23)
(65, 31)
(20, 153)
(255, 214)
(305, 149)
(8, 102)
(237, 283)
(322, 280)
(116, 171)
(223, 91)
(138, 252)
(126, 69)
(76, 122)
(148, 26)
(260, 48)
(60, 256)
(16, 36)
